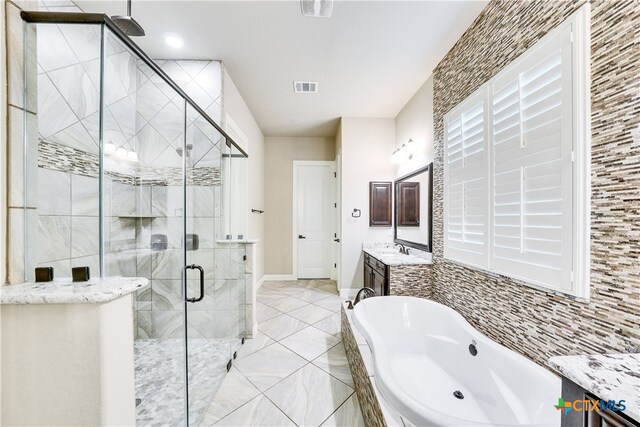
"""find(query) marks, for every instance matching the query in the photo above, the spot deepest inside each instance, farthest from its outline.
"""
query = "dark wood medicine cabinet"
(380, 204)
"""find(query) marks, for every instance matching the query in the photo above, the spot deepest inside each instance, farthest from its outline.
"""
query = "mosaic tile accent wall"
(371, 411)
(412, 280)
(535, 323)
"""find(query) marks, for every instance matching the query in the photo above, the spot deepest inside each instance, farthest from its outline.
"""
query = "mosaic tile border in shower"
(54, 156)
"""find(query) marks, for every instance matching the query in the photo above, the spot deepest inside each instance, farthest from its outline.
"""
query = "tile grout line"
(339, 406)
(306, 364)
(351, 387)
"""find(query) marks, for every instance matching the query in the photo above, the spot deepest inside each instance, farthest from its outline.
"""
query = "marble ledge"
(608, 376)
(237, 241)
(388, 254)
(64, 291)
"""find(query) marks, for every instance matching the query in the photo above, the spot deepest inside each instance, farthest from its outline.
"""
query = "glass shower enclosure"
(134, 178)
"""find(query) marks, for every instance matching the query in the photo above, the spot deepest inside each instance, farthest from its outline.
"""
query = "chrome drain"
(458, 394)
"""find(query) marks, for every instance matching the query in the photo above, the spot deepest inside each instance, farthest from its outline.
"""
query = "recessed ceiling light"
(317, 8)
(173, 40)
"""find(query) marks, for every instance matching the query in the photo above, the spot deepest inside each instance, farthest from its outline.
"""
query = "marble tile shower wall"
(529, 321)
(142, 114)
(64, 64)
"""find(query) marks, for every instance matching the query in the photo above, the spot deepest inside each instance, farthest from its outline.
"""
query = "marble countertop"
(390, 255)
(608, 376)
(64, 291)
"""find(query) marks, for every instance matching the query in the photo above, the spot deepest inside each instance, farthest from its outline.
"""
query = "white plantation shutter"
(466, 228)
(516, 163)
(532, 169)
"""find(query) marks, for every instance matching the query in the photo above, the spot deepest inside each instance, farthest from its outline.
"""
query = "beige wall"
(280, 152)
(235, 106)
(367, 145)
(415, 121)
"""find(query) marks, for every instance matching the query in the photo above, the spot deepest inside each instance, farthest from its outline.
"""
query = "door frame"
(337, 225)
(294, 228)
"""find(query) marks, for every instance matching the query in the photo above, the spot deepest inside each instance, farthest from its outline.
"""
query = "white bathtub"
(421, 357)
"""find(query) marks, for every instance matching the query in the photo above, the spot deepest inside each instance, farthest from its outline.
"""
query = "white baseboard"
(259, 283)
(268, 277)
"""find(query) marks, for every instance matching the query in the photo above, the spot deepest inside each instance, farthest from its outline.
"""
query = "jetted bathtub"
(425, 369)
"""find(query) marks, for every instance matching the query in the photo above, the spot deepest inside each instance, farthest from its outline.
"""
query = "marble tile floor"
(159, 377)
(295, 371)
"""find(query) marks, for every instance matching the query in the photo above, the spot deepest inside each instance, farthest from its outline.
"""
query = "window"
(517, 167)
(467, 196)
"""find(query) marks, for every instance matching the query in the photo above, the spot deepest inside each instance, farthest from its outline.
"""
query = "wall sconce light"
(404, 153)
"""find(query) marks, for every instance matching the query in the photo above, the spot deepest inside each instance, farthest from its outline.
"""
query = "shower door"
(206, 302)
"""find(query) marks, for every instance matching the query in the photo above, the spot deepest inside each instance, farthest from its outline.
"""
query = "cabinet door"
(367, 276)
(378, 283)
(380, 204)
(605, 418)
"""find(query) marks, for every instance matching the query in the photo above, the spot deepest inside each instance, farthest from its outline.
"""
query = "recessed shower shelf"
(137, 216)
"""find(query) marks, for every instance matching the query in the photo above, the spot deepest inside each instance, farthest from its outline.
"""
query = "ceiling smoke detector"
(317, 8)
(305, 87)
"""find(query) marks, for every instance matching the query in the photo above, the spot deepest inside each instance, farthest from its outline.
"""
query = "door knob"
(300, 236)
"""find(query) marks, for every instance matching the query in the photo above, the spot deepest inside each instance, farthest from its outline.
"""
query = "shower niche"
(128, 172)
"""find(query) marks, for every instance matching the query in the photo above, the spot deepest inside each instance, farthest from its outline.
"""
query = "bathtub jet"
(473, 349)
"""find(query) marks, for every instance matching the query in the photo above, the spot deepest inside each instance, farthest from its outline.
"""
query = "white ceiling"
(369, 58)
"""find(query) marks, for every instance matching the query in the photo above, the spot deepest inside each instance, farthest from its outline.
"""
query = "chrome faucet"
(362, 294)
(404, 250)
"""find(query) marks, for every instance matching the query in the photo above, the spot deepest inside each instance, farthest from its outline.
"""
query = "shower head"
(127, 24)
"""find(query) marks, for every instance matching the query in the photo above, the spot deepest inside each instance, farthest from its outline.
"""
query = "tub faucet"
(362, 294)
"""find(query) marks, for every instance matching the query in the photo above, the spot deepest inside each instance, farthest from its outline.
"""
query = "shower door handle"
(196, 267)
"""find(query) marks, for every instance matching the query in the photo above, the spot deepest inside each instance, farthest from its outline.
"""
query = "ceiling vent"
(317, 8)
(305, 87)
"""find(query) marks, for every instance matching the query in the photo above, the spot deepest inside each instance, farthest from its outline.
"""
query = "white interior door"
(313, 232)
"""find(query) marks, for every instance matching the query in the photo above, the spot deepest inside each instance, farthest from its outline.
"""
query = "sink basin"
(388, 251)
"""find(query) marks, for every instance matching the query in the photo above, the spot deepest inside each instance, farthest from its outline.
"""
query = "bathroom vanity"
(388, 272)
(611, 378)
(71, 358)
(376, 275)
